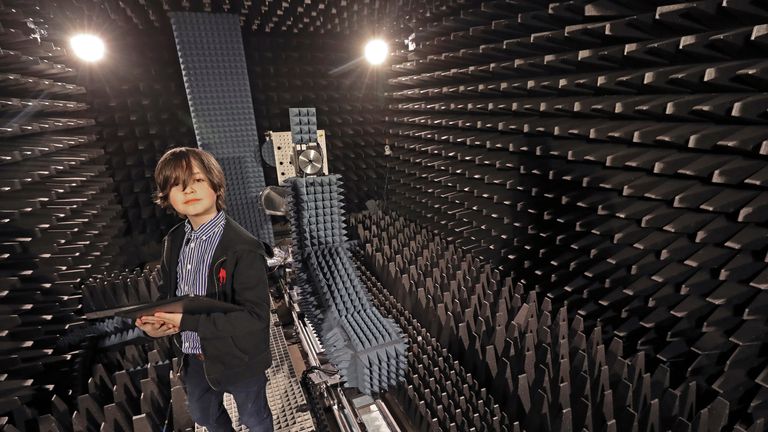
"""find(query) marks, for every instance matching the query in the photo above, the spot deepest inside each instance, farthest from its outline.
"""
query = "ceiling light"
(376, 51)
(88, 47)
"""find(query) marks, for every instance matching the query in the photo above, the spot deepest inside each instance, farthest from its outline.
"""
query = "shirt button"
(189, 266)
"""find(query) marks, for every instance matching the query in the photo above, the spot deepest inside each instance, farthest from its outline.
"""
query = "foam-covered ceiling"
(292, 16)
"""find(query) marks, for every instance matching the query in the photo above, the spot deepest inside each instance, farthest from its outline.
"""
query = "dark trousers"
(206, 405)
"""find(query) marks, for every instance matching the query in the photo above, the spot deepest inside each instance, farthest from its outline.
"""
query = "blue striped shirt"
(194, 262)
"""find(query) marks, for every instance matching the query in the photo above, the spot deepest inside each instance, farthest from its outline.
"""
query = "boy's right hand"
(155, 328)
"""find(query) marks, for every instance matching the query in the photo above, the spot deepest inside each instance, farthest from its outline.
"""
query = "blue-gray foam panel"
(213, 65)
(368, 349)
(303, 125)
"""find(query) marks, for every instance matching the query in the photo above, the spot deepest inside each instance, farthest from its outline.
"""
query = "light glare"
(88, 47)
(376, 51)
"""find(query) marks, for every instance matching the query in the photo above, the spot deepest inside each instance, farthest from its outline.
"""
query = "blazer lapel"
(176, 241)
(219, 253)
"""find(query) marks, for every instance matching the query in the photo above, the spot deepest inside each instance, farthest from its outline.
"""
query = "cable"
(325, 371)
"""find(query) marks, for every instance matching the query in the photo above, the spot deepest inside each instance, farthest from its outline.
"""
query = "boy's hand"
(173, 319)
(155, 327)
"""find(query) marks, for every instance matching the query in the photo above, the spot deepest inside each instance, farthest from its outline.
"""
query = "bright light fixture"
(376, 51)
(88, 47)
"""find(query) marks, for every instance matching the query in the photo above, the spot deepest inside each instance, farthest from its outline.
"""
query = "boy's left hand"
(173, 319)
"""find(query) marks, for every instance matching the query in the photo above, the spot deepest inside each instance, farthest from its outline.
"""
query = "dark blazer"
(235, 344)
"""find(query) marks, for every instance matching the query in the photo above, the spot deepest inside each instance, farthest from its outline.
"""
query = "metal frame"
(347, 416)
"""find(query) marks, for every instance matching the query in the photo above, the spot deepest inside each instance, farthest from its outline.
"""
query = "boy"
(210, 254)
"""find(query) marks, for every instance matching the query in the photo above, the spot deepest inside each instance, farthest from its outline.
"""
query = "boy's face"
(198, 199)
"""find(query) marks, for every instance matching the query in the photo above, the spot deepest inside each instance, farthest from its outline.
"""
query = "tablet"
(188, 304)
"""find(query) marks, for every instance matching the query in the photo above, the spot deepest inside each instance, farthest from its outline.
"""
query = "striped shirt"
(194, 262)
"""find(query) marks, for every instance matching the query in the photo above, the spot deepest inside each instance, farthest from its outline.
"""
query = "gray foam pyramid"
(368, 348)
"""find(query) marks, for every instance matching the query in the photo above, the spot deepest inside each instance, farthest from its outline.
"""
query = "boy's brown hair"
(177, 167)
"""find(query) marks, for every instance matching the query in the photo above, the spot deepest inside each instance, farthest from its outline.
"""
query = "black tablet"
(186, 304)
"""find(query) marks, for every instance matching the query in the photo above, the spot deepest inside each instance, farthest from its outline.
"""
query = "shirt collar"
(207, 228)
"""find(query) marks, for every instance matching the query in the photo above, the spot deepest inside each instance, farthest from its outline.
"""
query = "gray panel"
(212, 61)
(368, 349)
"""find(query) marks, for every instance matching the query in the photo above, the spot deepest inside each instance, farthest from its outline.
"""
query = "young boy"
(211, 255)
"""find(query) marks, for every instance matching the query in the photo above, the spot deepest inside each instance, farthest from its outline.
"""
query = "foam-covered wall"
(60, 219)
(611, 156)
